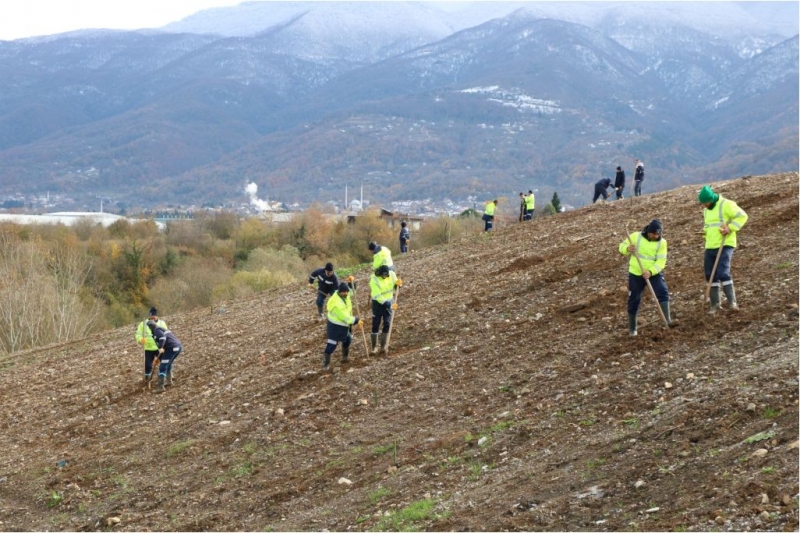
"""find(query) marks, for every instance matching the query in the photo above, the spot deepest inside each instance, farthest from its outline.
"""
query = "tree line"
(58, 283)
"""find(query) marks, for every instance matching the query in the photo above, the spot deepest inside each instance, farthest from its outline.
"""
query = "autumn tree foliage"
(58, 283)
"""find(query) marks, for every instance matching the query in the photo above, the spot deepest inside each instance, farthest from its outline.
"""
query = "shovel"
(649, 286)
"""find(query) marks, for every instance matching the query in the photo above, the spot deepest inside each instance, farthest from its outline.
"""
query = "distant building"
(394, 219)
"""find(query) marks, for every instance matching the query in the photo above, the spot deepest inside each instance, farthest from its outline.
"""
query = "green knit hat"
(707, 195)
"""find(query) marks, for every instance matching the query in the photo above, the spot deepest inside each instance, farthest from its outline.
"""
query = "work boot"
(665, 309)
(168, 382)
(160, 388)
(319, 312)
(632, 324)
(713, 295)
(326, 361)
(730, 295)
(383, 342)
(374, 340)
(345, 353)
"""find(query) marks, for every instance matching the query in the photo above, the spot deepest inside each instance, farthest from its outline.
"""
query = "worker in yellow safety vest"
(530, 205)
(144, 338)
(340, 320)
(382, 286)
(381, 255)
(722, 221)
(488, 214)
(651, 250)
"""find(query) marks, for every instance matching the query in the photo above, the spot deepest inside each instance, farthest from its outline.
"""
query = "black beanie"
(153, 311)
(329, 267)
(372, 246)
(654, 226)
(344, 287)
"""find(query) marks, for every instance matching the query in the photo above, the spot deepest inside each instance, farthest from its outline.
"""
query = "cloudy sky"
(26, 18)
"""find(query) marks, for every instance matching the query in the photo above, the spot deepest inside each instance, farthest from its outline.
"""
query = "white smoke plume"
(252, 190)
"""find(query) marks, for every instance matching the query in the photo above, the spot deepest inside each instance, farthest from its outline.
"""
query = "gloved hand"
(350, 279)
(143, 341)
(394, 306)
(311, 286)
(361, 325)
(399, 282)
(356, 321)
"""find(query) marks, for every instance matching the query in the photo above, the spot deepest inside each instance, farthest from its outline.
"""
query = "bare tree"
(41, 288)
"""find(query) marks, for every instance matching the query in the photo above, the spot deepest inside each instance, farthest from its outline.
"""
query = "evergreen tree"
(556, 202)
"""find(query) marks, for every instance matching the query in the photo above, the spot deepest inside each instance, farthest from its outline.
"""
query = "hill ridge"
(512, 398)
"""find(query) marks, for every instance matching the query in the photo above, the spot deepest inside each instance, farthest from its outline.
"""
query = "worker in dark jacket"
(169, 348)
(638, 178)
(327, 283)
(619, 182)
(600, 189)
(405, 238)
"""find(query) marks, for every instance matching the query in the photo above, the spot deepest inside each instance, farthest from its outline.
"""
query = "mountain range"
(412, 100)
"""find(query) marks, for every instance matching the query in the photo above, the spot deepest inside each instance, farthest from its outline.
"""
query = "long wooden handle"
(714, 269)
(649, 285)
(360, 318)
(391, 324)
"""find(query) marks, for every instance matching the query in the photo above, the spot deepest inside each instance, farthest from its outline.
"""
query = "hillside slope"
(512, 397)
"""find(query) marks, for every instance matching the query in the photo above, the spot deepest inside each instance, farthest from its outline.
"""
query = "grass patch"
(764, 435)
(477, 468)
(380, 450)
(451, 461)
(588, 422)
(411, 518)
(250, 448)
(631, 422)
(769, 412)
(768, 470)
(180, 447)
(502, 426)
(120, 481)
(378, 494)
(54, 499)
(591, 464)
(244, 469)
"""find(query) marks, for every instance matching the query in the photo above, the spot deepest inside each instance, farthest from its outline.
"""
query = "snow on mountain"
(725, 19)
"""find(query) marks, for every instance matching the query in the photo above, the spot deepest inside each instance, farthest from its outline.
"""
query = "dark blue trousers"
(337, 334)
(167, 358)
(380, 313)
(723, 272)
(637, 285)
(321, 298)
(149, 357)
